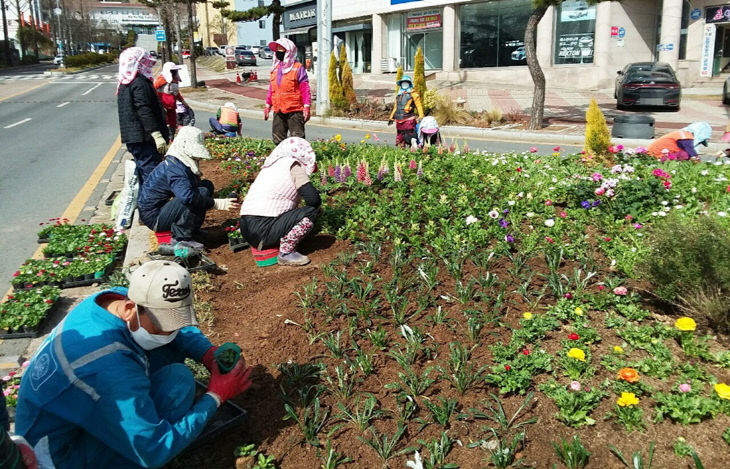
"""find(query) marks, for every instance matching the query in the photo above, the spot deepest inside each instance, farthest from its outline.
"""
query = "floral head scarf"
(290, 56)
(132, 61)
(297, 148)
(189, 148)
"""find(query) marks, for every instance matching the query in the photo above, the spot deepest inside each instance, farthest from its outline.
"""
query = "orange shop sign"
(418, 20)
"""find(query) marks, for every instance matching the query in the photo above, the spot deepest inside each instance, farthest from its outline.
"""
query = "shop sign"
(576, 10)
(300, 16)
(614, 31)
(717, 14)
(418, 20)
(574, 46)
(708, 51)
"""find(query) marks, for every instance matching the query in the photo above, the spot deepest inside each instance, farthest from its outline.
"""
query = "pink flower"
(620, 291)
(412, 164)
(575, 386)
(550, 202)
(685, 387)
(568, 296)
(596, 177)
(556, 148)
(637, 226)
(549, 239)
(7, 392)
(601, 287)
(562, 214)
(628, 217)
(600, 191)
(25, 364)
(6, 378)
(533, 149)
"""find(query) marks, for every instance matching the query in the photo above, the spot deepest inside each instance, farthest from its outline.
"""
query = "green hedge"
(88, 58)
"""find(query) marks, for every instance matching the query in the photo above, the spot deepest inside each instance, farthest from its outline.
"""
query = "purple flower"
(338, 173)
(637, 226)
(346, 172)
(509, 238)
(503, 223)
(505, 211)
(596, 203)
(585, 204)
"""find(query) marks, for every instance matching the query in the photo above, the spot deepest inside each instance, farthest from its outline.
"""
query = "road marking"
(17, 123)
(93, 77)
(63, 104)
(91, 89)
(22, 92)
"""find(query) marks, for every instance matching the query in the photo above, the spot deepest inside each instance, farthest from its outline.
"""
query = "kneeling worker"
(108, 387)
(227, 121)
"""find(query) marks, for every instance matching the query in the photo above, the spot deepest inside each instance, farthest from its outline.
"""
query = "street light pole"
(324, 46)
(6, 47)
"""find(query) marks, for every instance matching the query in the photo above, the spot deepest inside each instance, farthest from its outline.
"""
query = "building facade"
(577, 43)
(125, 16)
(250, 33)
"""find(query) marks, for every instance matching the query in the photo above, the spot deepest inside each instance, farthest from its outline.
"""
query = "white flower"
(664, 202)
(616, 169)
(633, 249)
(471, 219)
(555, 180)
(494, 214)
(549, 222)
(678, 207)
(530, 214)
(704, 172)
(520, 195)
(654, 214)
(416, 463)
(662, 213)
(694, 190)
(511, 202)
(722, 214)
(613, 262)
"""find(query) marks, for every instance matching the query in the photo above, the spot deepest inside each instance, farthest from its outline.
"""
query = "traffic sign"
(621, 32)
(695, 14)
(160, 35)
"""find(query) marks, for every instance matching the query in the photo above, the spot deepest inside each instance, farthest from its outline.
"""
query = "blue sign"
(669, 46)
(695, 14)
(621, 32)
(160, 35)
(396, 2)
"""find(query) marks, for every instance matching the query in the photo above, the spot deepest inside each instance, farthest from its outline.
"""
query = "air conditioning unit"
(389, 65)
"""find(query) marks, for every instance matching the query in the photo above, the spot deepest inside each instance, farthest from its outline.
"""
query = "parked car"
(58, 60)
(647, 84)
(186, 54)
(245, 57)
(726, 92)
(254, 49)
(153, 54)
(519, 54)
(265, 53)
(212, 50)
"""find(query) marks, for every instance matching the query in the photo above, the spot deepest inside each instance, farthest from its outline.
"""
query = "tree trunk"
(20, 35)
(276, 19)
(193, 70)
(538, 78)
(6, 45)
(168, 31)
(178, 32)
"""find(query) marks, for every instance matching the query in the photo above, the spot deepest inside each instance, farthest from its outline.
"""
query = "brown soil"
(251, 305)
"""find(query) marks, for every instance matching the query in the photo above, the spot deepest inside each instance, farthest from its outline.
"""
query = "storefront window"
(424, 29)
(574, 31)
(492, 34)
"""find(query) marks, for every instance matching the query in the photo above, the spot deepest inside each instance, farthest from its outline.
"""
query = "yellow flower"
(618, 349)
(578, 311)
(367, 136)
(362, 141)
(338, 138)
(627, 399)
(685, 324)
(722, 390)
(527, 315)
(577, 353)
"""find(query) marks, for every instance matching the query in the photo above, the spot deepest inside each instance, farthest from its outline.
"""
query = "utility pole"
(324, 46)
(6, 46)
(20, 33)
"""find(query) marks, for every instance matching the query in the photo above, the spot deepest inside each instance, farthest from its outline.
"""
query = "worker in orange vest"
(227, 121)
(681, 144)
(289, 95)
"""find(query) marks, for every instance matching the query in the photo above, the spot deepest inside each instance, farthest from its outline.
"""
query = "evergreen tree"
(419, 74)
(347, 83)
(598, 138)
(335, 90)
(398, 76)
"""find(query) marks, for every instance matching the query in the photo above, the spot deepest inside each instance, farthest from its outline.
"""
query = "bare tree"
(254, 14)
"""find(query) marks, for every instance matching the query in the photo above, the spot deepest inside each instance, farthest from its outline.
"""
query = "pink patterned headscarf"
(134, 60)
(289, 57)
(296, 148)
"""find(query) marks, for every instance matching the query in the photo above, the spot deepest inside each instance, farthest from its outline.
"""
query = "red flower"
(556, 149)
(601, 287)
(607, 238)
(519, 170)
(563, 214)
(568, 296)
(628, 217)
(573, 336)
(507, 367)
(549, 239)
(525, 352)
(17, 272)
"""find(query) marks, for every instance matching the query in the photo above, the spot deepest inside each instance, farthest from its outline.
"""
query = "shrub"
(688, 263)
(429, 100)
(87, 59)
(419, 74)
(398, 76)
(335, 91)
(346, 83)
(598, 138)
(446, 112)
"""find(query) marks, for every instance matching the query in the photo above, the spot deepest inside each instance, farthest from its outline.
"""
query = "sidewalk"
(564, 108)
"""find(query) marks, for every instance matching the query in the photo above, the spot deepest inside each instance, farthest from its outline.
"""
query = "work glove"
(266, 113)
(208, 359)
(307, 113)
(159, 142)
(225, 386)
(26, 452)
(225, 204)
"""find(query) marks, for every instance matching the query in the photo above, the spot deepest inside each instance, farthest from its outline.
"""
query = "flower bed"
(23, 311)
(62, 272)
(474, 287)
(66, 240)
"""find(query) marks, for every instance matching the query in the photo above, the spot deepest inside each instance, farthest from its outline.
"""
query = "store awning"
(353, 27)
(294, 32)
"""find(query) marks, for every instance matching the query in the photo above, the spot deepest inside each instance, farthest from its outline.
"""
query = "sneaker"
(188, 243)
(293, 258)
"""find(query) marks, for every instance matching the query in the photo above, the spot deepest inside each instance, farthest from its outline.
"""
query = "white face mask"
(150, 341)
(404, 85)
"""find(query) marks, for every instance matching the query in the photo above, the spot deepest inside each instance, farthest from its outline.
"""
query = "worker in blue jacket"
(108, 387)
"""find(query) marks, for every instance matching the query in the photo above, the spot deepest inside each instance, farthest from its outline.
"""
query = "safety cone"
(255, 76)
(238, 78)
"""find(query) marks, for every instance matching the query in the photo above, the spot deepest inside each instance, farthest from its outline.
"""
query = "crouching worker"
(174, 197)
(407, 103)
(428, 132)
(227, 121)
(681, 144)
(270, 213)
(108, 387)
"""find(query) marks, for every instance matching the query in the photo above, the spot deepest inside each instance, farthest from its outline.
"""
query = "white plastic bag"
(128, 196)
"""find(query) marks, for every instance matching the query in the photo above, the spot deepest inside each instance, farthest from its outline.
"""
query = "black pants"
(292, 122)
(265, 232)
(183, 220)
(145, 157)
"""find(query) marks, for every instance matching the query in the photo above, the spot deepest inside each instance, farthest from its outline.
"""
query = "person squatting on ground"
(407, 103)
(681, 144)
(289, 94)
(428, 132)
(227, 121)
(167, 85)
(175, 197)
(108, 387)
(141, 120)
(270, 212)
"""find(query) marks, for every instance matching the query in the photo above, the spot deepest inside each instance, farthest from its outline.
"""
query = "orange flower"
(629, 375)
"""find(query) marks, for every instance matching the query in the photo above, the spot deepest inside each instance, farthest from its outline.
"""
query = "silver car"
(265, 53)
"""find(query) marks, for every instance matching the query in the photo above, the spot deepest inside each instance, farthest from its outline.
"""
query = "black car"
(245, 57)
(647, 84)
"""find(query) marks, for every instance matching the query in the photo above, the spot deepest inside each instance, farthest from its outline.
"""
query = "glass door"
(415, 40)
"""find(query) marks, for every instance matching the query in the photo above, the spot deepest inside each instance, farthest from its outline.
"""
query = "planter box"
(228, 414)
(26, 331)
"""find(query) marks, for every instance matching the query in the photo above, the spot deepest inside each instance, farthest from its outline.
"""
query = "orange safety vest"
(286, 97)
(668, 142)
(228, 117)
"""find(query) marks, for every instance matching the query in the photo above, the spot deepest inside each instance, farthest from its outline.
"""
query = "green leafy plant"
(331, 459)
(361, 413)
(459, 372)
(411, 383)
(501, 425)
(684, 407)
(726, 435)
(310, 421)
(682, 448)
(385, 445)
(574, 407)
(573, 454)
(637, 458)
(264, 462)
(441, 413)
(438, 449)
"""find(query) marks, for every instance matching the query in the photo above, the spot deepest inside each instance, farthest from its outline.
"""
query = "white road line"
(91, 89)
(17, 123)
(63, 104)
(93, 77)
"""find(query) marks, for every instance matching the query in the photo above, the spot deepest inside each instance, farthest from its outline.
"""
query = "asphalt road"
(53, 137)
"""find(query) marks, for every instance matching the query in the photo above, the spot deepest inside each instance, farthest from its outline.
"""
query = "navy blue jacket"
(169, 179)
